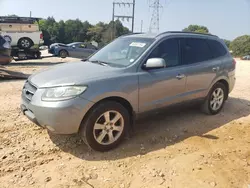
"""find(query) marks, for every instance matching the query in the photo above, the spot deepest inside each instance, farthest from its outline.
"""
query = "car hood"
(77, 73)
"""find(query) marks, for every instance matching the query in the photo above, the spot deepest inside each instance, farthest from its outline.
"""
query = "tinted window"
(195, 50)
(217, 48)
(169, 51)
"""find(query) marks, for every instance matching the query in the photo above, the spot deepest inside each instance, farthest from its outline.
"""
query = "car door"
(161, 87)
(201, 68)
(89, 50)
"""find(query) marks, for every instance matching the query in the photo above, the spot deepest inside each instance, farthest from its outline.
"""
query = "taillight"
(41, 36)
(234, 62)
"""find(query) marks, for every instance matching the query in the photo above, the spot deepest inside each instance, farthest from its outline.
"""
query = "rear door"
(201, 66)
(77, 50)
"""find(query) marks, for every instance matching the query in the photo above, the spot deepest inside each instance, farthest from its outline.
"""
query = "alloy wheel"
(108, 127)
(217, 99)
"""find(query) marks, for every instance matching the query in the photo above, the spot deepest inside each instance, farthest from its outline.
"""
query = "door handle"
(180, 76)
(215, 69)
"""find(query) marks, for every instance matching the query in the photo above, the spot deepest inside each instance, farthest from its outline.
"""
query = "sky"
(226, 18)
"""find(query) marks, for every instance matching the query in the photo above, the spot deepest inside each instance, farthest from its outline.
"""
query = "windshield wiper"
(100, 63)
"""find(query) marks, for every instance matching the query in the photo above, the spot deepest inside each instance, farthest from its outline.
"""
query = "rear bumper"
(232, 80)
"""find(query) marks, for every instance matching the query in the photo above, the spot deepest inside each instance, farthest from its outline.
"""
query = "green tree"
(76, 30)
(227, 42)
(196, 29)
(241, 46)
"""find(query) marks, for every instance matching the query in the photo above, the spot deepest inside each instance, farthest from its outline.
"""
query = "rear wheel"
(63, 53)
(105, 126)
(25, 43)
(215, 99)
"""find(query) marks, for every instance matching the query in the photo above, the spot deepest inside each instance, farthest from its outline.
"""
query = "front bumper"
(62, 117)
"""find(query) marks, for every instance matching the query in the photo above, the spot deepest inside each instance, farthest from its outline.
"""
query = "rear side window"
(217, 48)
(195, 50)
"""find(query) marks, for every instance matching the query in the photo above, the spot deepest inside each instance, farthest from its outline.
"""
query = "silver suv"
(101, 97)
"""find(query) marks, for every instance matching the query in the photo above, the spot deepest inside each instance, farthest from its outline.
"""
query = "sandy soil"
(183, 148)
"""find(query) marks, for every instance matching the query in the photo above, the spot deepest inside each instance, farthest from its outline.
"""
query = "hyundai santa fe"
(101, 96)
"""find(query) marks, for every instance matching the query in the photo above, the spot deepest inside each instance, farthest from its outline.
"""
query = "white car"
(23, 32)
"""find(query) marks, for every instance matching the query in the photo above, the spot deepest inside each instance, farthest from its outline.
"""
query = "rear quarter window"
(217, 48)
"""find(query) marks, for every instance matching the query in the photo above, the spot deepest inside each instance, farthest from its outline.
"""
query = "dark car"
(5, 51)
(75, 49)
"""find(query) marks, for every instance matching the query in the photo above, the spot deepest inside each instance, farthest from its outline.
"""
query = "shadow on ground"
(159, 131)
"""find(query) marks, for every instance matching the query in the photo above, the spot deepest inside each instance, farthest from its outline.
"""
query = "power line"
(128, 17)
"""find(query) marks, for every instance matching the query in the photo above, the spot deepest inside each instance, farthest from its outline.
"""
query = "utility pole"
(118, 16)
(30, 13)
(155, 19)
(141, 25)
(133, 16)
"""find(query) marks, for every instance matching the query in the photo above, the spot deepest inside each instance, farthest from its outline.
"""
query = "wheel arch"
(124, 102)
(226, 84)
(224, 81)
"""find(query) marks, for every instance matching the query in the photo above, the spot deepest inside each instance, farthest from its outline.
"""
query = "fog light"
(50, 128)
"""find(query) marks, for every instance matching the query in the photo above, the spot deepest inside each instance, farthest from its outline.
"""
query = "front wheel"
(105, 126)
(215, 99)
(63, 53)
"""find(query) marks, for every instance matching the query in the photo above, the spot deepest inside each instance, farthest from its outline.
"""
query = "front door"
(161, 87)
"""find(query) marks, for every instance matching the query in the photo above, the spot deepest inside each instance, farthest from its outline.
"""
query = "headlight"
(62, 93)
(56, 47)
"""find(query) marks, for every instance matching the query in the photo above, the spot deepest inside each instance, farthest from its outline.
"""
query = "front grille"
(28, 91)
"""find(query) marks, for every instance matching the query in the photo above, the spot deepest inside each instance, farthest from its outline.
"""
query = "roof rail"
(186, 32)
(132, 34)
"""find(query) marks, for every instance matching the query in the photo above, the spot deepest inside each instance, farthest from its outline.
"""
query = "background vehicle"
(75, 49)
(5, 51)
(23, 32)
(247, 57)
(134, 74)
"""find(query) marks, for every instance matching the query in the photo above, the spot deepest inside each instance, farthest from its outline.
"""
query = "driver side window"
(169, 51)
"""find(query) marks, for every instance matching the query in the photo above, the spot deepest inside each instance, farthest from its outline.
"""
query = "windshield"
(123, 51)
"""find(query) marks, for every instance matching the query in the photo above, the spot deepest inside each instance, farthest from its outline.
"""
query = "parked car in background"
(43, 47)
(134, 74)
(75, 49)
(247, 57)
(5, 51)
(23, 32)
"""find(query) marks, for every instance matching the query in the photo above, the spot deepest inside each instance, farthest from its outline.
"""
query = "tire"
(214, 105)
(63, 53)
(97, 136)
(25, 43)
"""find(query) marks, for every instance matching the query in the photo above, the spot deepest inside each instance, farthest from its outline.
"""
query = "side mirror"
(73, 46)
(155, 63)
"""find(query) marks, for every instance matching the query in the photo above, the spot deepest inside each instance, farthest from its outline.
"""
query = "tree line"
(102, 33)
(78, 31)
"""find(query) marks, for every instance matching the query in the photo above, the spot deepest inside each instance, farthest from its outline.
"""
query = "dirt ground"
(183, 148)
